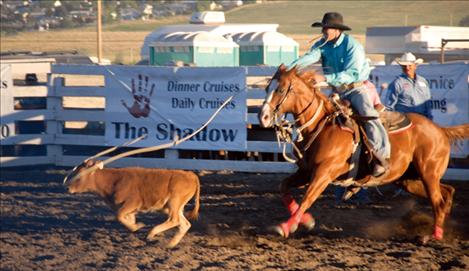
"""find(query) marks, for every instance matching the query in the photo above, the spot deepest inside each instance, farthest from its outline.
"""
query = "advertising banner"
(167, 102)
(449, 89)
(7, 128)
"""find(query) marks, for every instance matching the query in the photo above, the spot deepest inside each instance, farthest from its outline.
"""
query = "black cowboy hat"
(332, 20)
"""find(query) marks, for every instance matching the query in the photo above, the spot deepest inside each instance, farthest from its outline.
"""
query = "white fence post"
(53, 127)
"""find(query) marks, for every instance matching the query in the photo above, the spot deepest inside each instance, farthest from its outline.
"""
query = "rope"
(128, 143)
(153, 148)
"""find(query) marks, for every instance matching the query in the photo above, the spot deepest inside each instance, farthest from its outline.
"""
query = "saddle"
(392, 121)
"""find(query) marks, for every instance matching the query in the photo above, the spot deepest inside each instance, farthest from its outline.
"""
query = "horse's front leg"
(320, 179)
(299, 179)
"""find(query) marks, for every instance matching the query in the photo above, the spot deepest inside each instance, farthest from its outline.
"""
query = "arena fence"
(62, 120)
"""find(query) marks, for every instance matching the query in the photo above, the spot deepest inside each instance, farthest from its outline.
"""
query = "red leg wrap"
(292, 207)
(290, 203)
(306, 218)
(438, 233)
(294, 220)
(292, 224)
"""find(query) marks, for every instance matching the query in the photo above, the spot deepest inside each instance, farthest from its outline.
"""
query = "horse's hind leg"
(414, 187)
(431, 173)
(448, 192)
(417, 188)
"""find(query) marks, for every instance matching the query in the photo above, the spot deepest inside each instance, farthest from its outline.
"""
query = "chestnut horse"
(419, 155)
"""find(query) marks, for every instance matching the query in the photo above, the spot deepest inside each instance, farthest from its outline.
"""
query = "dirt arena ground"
(45, 228)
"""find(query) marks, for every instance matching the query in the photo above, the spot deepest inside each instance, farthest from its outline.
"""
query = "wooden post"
(442, 52)
(98, 30)
(443, 44)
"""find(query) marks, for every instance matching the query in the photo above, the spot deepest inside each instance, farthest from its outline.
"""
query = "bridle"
(283, 99)
(284, 128)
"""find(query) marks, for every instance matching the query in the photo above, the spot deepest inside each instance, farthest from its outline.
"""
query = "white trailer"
(424, 41)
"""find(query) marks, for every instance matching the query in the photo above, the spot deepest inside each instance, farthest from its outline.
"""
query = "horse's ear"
(282, 67)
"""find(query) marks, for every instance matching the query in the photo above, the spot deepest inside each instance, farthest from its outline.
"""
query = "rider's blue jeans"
(375, 131)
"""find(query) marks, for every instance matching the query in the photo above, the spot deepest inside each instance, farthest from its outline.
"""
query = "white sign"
(450, 94)
(165, 102)
(7, 126)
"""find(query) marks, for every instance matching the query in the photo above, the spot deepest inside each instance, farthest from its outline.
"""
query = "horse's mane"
(308, 78)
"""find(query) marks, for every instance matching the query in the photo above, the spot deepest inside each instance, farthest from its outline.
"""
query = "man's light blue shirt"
(408, 95)
(343, 62)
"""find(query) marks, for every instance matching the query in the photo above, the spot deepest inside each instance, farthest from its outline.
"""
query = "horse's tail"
(455, 133)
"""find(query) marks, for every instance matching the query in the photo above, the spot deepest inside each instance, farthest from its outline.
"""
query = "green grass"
(295, 17)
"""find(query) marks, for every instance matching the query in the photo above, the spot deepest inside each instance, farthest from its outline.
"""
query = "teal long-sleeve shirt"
(343, 62)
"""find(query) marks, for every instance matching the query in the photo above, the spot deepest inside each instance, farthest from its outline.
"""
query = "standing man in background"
(409, 93)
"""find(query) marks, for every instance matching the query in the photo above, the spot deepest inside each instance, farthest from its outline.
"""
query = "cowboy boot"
(380, 167)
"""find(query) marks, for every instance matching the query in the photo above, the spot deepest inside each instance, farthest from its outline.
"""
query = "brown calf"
(132, 190)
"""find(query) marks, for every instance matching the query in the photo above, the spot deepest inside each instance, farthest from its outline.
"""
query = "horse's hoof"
(277, 229)
(349, 192)
(347, 195)
(427, 240)
(308, 221)
(293, 228)
(283, 229)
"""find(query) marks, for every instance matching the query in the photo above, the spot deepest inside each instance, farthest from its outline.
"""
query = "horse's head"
(285, 93)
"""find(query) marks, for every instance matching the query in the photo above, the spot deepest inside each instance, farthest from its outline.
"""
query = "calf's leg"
(172, 221)
(126, 216)
(184, 226)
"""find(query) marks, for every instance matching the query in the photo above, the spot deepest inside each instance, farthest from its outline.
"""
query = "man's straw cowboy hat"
(408, 59)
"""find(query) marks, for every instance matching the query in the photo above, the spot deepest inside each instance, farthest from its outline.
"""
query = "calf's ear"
(99, 164)
(89, 163)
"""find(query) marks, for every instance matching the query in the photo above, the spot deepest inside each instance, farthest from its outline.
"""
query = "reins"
(284, 98)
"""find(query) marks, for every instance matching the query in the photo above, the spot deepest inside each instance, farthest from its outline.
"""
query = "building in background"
(202, 48)
(265, 48)
(423, 41)
(261, 43)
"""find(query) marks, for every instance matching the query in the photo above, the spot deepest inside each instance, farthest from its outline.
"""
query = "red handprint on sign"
(141, 104)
